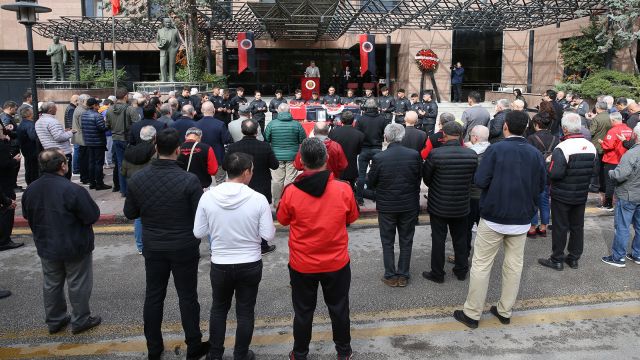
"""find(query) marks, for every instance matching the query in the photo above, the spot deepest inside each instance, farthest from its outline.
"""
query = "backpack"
(548, 149)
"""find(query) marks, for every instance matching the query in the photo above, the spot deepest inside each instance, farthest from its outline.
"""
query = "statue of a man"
(58, 54)
(168, 42)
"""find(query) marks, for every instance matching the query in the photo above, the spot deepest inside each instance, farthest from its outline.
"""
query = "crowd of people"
(218, 169)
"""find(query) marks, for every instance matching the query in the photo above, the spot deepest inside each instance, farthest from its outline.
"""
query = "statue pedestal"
(60, 93)
(165, 87)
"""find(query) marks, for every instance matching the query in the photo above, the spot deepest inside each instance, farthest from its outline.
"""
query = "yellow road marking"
(126, 346)
(365, 221)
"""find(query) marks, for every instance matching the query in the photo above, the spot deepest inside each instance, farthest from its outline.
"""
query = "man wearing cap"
(93, 134)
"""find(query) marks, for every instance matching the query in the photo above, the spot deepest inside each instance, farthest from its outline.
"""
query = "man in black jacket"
(387, 104)
(166, 197)
(402, 105)
(29, 146)
(351, 141)
(258, 108)
(372, 125)
(53, 202)
(413, 138)
(149, 117)
(570, 172)
(68, 111)
(395, 176)
(275, 102)
(429, 113)
(448, 172)
(8, 161)
(197, 157)
(264, 160)
(558, 110)
(496, 124)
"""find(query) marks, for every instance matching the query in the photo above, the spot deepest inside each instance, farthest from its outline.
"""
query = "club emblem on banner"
(246, 44)
(310, 85)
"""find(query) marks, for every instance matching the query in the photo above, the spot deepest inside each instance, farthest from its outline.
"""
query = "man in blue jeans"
(236, 218)
(120, 117)
(627, 212)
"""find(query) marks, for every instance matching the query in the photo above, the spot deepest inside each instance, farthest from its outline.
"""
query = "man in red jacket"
(336, 161)
(613, 149)
(318, 250)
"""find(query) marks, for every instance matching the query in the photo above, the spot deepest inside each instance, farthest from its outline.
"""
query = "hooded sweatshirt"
(236, 218)
(119, 119)
(317, 209)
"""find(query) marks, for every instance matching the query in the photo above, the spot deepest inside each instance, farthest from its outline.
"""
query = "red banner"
(115, 7)
(308, 85)
(246, 52)
(367, 54)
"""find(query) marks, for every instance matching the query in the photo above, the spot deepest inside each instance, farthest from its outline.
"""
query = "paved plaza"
(589, 313)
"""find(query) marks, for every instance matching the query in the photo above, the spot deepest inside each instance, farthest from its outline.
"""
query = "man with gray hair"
(372, 125)
(572, 162)
(627, 176)
(495, 125)
(198, 157)
(613, 149)
(435, 140)
(285, 136)
(165, 114)
(80, 151)
(185, 121)
(395, 176)
(52, 135)
(517, 105)
(599, 126)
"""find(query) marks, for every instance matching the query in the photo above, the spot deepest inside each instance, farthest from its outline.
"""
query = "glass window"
(92, 8)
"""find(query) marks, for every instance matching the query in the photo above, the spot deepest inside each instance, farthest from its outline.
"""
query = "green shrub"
(611, 82)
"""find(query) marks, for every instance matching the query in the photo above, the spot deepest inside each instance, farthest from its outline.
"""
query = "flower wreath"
(427, 60)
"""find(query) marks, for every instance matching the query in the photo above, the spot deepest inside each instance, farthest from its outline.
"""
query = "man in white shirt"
(312, 70)
(236, 218)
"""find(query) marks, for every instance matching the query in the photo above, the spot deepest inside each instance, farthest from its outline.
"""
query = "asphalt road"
(589, 313)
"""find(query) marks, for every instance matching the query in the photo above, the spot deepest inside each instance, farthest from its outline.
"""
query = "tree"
(580, 54)
(621, 29)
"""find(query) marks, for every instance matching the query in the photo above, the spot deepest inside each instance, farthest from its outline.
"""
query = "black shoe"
(18, 189)
(4, 293)
(92, 322)
(115, 189)
(268, 249)
(84, 182)
(460, 316)
(503, 320)
(92, 186)
(155, 356)
(63, 324)
(572, 263)
(102, 187)
(462, 277)
(551, 264)
(204, 350)
(429, 276)
(10, 245)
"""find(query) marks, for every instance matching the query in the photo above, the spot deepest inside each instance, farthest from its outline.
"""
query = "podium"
(308, 85)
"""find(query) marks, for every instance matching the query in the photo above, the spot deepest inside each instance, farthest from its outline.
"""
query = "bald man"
(337, 160)
(634, 115)
(214, 134)
(413, 138)
(68, 112)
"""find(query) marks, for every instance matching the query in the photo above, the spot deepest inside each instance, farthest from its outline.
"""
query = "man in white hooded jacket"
(236, 218)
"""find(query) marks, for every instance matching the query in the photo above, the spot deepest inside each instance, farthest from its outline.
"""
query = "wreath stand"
(433, 84)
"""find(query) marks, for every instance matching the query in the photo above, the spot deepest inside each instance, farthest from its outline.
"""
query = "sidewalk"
(111, 203)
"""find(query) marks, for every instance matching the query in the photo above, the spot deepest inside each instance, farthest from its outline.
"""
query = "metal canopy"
(315, 20)
(99, 29)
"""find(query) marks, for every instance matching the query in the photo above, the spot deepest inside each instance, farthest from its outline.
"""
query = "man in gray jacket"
(80, 150)
(52, 135)
(627, 212)
(119, 119)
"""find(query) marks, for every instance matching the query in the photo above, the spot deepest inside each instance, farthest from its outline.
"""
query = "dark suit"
(263, 159)
(395, 175)
(414, 139)
(351, 141)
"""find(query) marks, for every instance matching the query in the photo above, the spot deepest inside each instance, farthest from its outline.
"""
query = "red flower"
(427, 60)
